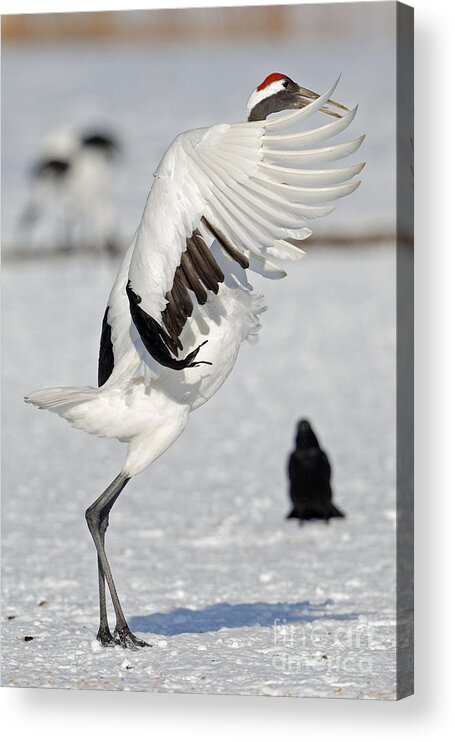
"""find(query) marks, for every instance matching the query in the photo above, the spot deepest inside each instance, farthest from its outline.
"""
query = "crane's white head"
(279, 93)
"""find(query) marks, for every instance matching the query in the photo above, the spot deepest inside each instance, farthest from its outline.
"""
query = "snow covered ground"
(233, 597)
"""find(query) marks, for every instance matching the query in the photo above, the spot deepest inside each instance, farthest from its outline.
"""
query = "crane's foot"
(125, 638)
(105, 637)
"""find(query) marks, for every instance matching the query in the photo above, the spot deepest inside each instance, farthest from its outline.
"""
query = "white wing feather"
(242, 179)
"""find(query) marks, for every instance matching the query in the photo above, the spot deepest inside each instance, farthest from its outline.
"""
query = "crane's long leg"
(104, 633)
(97, 516)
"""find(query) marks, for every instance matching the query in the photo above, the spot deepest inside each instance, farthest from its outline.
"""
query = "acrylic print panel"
(226, 593)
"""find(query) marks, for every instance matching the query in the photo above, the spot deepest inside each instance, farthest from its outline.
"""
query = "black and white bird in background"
(309, 478)
(71, 201)
(225, 199)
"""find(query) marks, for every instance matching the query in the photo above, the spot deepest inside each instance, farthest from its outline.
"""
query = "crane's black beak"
(307, 96)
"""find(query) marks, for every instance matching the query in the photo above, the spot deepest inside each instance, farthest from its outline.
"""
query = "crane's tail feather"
(85, 408)
(61, 399)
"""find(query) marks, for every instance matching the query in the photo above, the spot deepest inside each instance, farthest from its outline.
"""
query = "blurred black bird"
(309, 477)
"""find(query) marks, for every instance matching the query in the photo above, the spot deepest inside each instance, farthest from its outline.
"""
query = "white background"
(39, 714)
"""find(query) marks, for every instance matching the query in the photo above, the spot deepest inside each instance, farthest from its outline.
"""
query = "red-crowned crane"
(225, 199)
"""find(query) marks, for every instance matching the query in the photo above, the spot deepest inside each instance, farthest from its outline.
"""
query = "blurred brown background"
(194, 23)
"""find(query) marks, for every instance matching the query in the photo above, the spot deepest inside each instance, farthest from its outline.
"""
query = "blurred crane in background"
(71, 199)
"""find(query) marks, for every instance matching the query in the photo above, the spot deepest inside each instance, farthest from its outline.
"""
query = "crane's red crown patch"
(271, 78)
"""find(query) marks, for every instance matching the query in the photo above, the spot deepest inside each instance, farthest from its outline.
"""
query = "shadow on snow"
(225, 615)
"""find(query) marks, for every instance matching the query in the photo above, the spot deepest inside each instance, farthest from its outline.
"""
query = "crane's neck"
(282, 101)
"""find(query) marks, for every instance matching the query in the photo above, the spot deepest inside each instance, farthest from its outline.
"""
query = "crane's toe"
(128, 640)
(105, 637)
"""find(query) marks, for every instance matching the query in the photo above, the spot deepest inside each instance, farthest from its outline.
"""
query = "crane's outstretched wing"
(250, 188)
